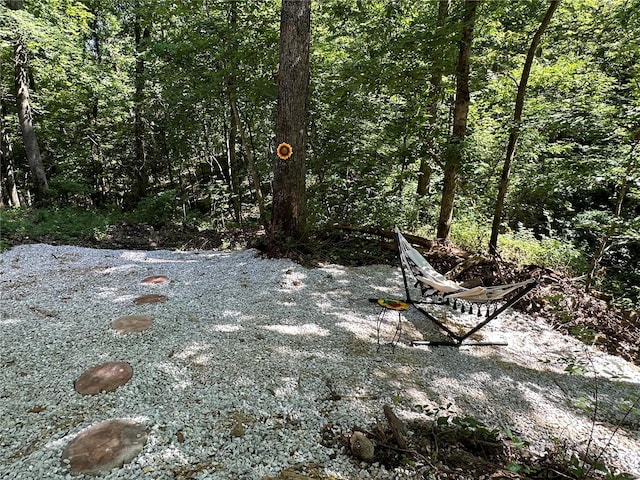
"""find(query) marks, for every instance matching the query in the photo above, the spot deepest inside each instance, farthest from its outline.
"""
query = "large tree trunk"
(232, 157)
(424, 174)
(454, 153)
(515, 129)
(289, 192)
(25, 118)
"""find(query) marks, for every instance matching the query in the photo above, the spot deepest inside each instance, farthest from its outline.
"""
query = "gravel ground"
(238, 375)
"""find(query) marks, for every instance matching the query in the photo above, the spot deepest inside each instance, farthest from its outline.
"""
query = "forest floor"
(470, 448)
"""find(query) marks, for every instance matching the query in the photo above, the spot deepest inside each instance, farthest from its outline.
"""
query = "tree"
(289, 189)
(455, 149)
(631, 172)
(25, 119)
(515, 129)
(8, 188)
(141, 169)
(424, 175)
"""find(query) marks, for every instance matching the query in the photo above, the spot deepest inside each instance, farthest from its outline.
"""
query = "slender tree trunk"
(15, 4)
(424, 174)
(248, 150)
(232, 159)
(234, 167)
(454, 153)
(617, 218)
(25, 118)
(97, 166)
(515, 129)
(289, 189)
(8, 188)
(140, 182)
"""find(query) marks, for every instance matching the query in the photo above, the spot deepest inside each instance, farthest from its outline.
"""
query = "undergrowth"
(520, 246)
(55, 225)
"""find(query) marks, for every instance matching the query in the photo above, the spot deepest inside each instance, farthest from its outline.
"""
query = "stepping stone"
(151, 298)
(132, 323)
(104, 446)
(103, 378)
(153, 279)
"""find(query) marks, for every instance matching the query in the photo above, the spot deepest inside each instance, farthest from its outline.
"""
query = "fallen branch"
(381, 232)
(469, 263)
(397, 427)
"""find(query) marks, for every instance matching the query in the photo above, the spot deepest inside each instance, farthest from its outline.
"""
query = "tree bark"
(515, 129)
(246, 145)
(424, 173)
(289, 190)
(232, 158)
(140, 182)
(25, 118)
(234, 166)
(454, 153)
(8, 188)
(98, 181)
(397, 427)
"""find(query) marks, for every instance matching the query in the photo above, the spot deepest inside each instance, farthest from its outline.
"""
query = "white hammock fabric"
(430, 279)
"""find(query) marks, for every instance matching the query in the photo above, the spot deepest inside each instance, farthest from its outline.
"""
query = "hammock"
(435, 288)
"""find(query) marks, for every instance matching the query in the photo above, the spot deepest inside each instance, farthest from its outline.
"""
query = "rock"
(103, 378)
(362, 447)
(154, 279)
(237, 430)
(104, 446)
(150, 298)
(132, 323)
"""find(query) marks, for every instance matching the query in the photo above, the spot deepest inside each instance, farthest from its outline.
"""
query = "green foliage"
(60, 225)
(66, 190)
(371, 123)
(159, 209)
(450, 429)
(523, 247)
(447, 429)
(471, 231)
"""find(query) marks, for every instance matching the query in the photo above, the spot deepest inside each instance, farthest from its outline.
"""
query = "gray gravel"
(239, 373)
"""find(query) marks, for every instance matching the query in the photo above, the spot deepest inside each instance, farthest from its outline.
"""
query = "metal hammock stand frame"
(437, 290)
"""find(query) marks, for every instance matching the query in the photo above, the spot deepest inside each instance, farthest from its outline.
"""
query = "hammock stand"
(436, 289)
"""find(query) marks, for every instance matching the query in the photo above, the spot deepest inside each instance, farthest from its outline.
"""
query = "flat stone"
(153, 279)
(132, 323)
(104, 446)
(103, 378)
(151, 298)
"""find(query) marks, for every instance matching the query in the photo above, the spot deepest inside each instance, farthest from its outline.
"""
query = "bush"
(523, 247)
(158, 209)
(472, 232)
(68, 224)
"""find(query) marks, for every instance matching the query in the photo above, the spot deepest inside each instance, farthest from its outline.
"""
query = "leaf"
(440, 421)
(513, 467)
